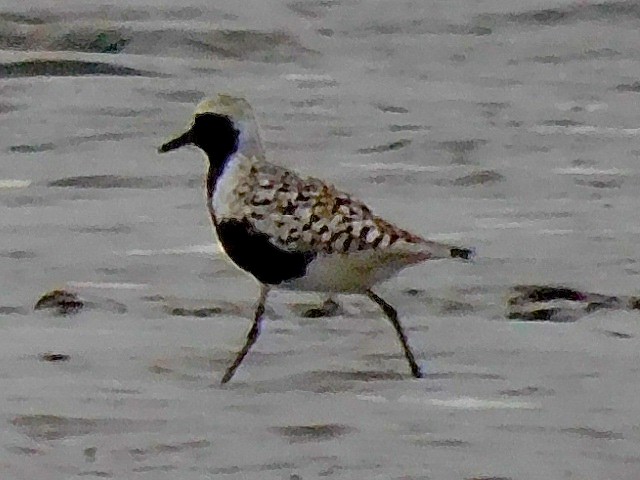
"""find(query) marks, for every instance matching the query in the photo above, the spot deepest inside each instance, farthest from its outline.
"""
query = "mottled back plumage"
(305, 213)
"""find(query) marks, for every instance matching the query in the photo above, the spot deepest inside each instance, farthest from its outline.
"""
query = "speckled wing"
(306, 214)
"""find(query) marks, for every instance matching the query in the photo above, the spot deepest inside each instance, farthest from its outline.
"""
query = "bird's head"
(221, 126)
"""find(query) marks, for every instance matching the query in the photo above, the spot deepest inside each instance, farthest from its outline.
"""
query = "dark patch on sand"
(387, 147)
(19, 254)
(461, 150)
(629, 87)
(619, 335)
(313, 10)
(602, 183)
(95, 473)
(548, 59)
(391, 109)
(117, 181)
(18, 201)
(544, 293)
(564, 122)
(181, 96)
(454, 307)
(54, 357)
(94, 41)
(53, 427)
(572, 13)
(160, 448)
(153, 298)
(160, 369)
(418, 26)
(526, 392)
(154, 468)
(253, 45)
(6, 310)
(560, 304)
(407, 128)
(593, 433)
(556, 315)
(444, 443)
(311, 433)
(64, 38)
(89, 454)
(41, 147)
(308, 103)
(28, 451)
(200, 312)
(121, 391)
(414, 292)
(105, 12)
(95, 229)
(31, 18)
(8, 107)
(484, 177)
(67, 68)
(267, 467)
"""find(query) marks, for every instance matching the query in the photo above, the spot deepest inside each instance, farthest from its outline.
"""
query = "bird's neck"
(219, 154)
(223, 177)
(216, 167)
(249, 144)
(242, 140)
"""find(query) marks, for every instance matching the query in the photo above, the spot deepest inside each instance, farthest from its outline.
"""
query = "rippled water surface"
(511, 126)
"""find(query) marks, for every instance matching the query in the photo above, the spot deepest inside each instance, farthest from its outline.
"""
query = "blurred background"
(510, 126)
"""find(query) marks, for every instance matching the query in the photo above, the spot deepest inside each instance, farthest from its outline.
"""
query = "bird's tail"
(437, 250)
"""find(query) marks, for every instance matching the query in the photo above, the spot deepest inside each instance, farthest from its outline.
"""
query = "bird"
(294, 232)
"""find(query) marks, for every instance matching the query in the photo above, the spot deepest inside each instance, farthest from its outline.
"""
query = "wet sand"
(509, 126)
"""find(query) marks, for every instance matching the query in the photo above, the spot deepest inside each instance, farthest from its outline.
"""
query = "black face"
(215, 134)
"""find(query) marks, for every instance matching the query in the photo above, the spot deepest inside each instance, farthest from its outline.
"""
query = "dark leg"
(252, 336)
(392, 315)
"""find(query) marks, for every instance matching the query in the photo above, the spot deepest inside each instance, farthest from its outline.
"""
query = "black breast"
(253, 252)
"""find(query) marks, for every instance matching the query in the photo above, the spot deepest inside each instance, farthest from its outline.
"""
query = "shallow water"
(509, 126)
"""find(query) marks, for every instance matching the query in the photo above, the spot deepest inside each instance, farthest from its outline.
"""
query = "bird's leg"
(252, 336)
(392, 315)
(328, 308)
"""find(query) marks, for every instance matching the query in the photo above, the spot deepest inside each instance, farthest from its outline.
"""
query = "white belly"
(350, 273)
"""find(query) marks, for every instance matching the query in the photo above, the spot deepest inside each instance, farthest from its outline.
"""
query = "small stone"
(329, 308)
(54, 357)
(62, 302)
(413, 292)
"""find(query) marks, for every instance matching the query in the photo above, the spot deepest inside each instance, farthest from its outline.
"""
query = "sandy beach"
(508, 126)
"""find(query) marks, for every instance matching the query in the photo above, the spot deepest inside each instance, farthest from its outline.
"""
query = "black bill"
(182, 140)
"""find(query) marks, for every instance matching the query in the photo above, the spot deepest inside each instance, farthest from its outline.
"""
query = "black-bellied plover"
(293, 232)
